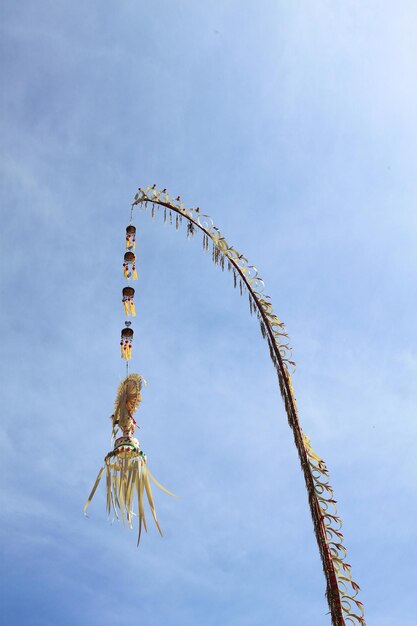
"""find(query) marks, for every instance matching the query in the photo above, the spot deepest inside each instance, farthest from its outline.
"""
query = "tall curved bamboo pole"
(341, 590)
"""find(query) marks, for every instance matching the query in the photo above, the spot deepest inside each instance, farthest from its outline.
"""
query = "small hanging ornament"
(126, 465)
(130, 237)
(129, 267)
(126, 341)
(128, 304)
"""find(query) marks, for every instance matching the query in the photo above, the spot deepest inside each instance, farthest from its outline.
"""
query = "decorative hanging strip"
(126, 342)
(129, 266)
(130, 237)
(128, 479)
(128, 294)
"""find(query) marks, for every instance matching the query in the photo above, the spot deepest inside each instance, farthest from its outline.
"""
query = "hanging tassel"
(127, 339)
(135, 274)
(128, 262)
(127, 473)
(121, 350)
(130, 237)
(128, 294)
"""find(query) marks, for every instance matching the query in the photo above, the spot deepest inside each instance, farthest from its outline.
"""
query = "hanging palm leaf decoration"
(129, 266)
(127, 401)
(341, 590)
(126, 343)
(128, 479)
(130, 237)
(128, 295)
(127, 475)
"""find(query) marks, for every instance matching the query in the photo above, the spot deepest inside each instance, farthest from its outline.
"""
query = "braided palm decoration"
(341, 590)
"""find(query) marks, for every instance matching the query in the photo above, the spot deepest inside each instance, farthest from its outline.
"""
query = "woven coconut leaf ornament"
(128, 479)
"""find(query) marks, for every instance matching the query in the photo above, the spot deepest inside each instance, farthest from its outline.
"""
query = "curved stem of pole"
(341, 590)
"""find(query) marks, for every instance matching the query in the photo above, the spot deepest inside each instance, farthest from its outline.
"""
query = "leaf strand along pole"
(341, 589)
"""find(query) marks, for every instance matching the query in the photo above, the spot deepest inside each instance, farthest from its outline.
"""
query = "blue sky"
(293, 125)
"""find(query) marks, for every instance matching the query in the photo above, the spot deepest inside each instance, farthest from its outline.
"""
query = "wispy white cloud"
(294, 127)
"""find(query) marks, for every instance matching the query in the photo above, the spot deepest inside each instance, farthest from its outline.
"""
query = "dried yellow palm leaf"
(127, 401)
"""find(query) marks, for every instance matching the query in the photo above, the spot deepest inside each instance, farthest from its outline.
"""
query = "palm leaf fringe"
(127, 480)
